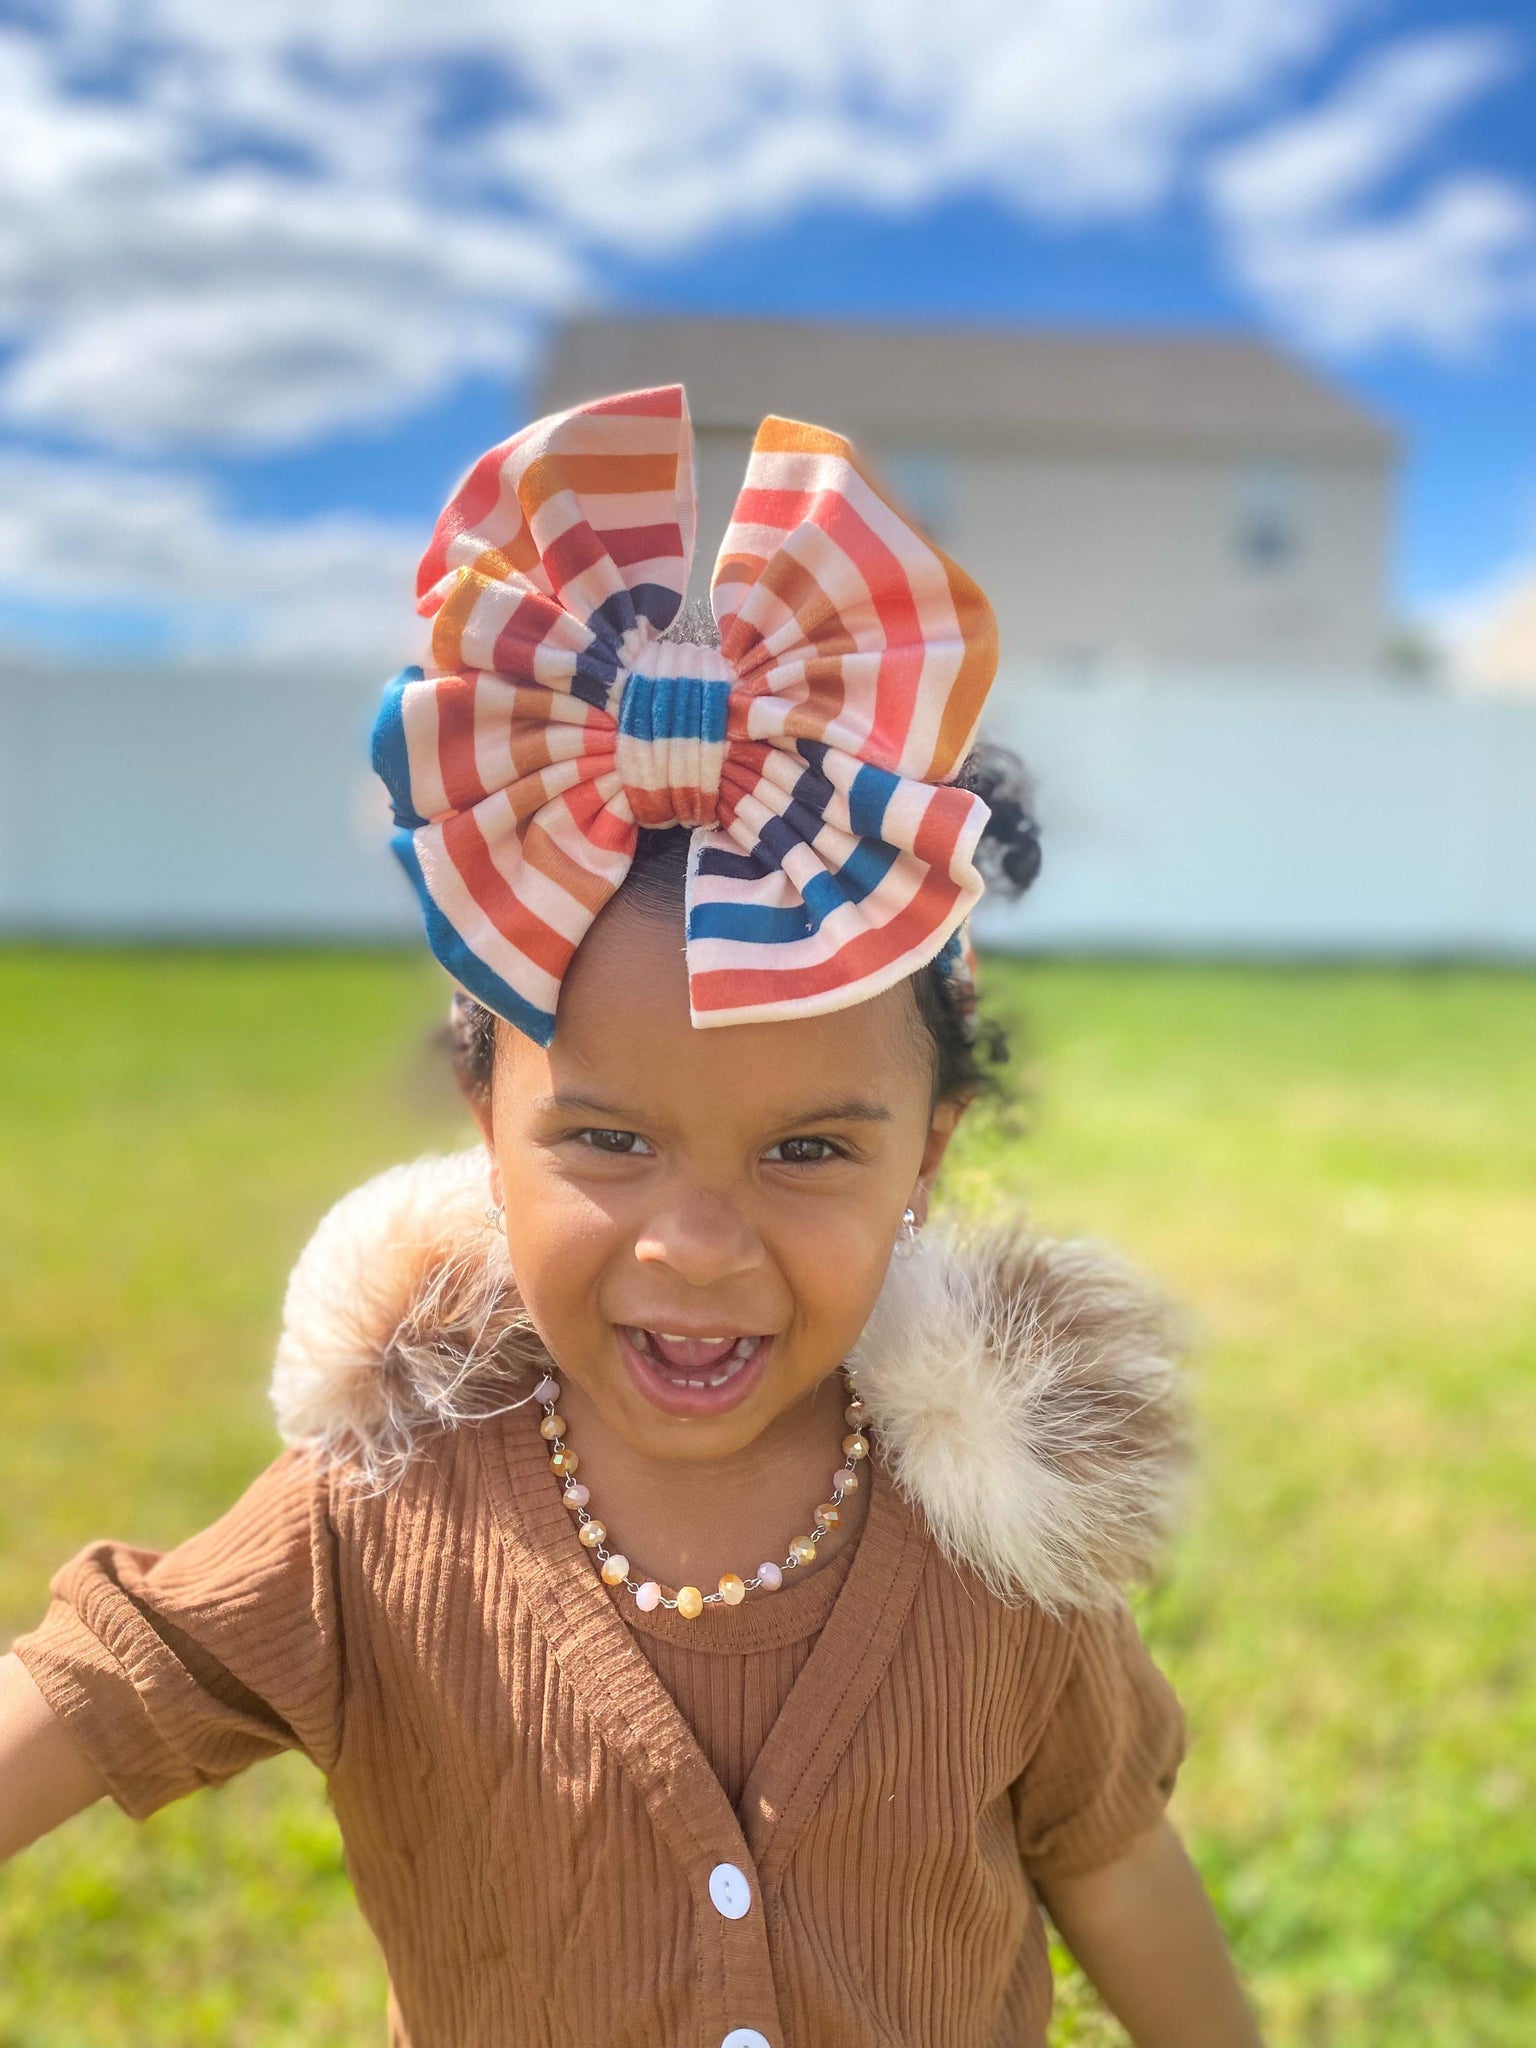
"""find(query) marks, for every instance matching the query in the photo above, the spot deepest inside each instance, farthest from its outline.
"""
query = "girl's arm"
(1147, 1938)
(44, 1775)
(171, 1670)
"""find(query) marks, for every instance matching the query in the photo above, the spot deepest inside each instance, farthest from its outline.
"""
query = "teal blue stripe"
(391, 759)
(466, 966)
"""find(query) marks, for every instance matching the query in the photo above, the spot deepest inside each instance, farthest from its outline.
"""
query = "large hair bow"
(813, 753)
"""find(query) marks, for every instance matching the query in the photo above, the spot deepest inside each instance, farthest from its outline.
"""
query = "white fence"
(1179, 814)
(1286, 817)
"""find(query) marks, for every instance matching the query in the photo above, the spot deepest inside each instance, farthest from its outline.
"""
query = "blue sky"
(268, 284)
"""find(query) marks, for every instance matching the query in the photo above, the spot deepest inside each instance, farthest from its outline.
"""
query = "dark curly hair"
(970, 1051)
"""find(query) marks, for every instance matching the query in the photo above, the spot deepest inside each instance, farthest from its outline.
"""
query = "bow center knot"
(670, 747)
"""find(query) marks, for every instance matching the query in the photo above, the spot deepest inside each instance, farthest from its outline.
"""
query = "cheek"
(835, 1273)
(559, 1244)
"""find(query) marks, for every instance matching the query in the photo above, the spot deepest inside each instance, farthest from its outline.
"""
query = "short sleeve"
(176, 1669)
(1106, 1762)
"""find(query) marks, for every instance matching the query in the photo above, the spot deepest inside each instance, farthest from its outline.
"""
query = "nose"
(701, 1236)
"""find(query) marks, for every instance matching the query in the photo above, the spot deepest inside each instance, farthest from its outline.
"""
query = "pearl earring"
(906, 1244)
(494, 1215)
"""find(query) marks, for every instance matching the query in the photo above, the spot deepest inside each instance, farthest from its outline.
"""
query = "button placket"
(731, 1894)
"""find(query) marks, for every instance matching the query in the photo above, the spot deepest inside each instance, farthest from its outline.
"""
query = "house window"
(1268, 518)
(923, 482)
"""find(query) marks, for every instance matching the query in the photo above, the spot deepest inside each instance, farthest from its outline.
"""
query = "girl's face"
(713, 1205)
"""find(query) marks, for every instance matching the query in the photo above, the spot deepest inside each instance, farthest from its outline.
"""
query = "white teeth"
(741, 1350)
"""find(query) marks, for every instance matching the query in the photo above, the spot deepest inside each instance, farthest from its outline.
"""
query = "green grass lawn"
(1336, 1170)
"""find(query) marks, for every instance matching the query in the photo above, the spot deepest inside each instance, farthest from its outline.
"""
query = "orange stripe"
(448, 626)
(515, 556)
(618, 475)
(551, 859)
(978, 666)
(778, 436)
(519, 926)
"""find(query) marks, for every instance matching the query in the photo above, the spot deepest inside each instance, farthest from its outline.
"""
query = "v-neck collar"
(635, 1714)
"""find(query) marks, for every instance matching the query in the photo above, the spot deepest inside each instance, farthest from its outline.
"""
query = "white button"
(732, 1894)
(745, 2037)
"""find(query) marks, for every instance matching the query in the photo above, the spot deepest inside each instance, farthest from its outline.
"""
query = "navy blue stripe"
(391, 760)
(861, 873)
(596, 667)
(738, 867)
(613, 618)
(813, 790)
(465, 966)
(656, 602)
(804, 815)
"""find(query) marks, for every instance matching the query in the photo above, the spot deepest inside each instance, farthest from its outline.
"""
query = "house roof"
(970, 385)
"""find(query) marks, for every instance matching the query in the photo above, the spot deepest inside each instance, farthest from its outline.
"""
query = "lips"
(697, 1376)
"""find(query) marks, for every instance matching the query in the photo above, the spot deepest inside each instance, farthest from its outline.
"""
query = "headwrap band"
(812, 754)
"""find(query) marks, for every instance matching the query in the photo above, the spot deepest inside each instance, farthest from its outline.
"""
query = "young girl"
(697, 1581)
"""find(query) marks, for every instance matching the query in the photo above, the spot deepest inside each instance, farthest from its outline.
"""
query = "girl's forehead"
(623, 1029)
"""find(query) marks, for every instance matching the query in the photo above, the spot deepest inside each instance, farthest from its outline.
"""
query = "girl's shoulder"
(1025, 1390)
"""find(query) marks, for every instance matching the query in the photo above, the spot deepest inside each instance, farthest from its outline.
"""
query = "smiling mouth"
(693, 1361)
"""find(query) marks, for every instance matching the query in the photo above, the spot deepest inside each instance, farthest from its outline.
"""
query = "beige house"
(1181, 502)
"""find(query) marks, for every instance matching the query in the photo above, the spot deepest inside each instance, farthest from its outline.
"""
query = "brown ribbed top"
(731, 1671)
(547, 1850)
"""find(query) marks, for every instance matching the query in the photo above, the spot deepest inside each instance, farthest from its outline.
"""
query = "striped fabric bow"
(812, 753)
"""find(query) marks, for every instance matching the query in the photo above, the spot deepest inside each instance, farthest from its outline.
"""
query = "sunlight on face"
(748, 1178)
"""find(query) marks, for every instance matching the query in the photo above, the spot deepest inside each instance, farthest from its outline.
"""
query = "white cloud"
(1348, 269)
(155, 302)
(284, 228)
(234, 228)
(334, 590)
(656, 128)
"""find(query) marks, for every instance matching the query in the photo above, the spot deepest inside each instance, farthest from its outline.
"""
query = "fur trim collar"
(1024, 1390)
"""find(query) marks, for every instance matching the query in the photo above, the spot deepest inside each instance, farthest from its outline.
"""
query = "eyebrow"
(850, 1109)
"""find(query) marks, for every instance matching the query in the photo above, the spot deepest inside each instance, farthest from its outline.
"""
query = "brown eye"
(803, 1152)
(621, 1143)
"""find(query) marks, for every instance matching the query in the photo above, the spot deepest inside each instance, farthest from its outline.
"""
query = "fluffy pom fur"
(400, 1319)
(1029, 1397)
(1025, 1391)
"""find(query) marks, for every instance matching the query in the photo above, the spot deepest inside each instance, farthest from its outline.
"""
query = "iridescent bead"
(855, 1412)
(855, 1447)
(576, 1495)
(802, 1549)
(828, 1515)
(846, 1478)
(547, 1390)
(771, 1576)
(551, 1427)
(564, 1463)
(615, 1570)
(649, 1597)
(592, 1533)
(733, 1590)
(690, 1602)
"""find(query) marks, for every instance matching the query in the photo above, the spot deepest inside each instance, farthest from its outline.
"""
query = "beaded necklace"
(688, 1601)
